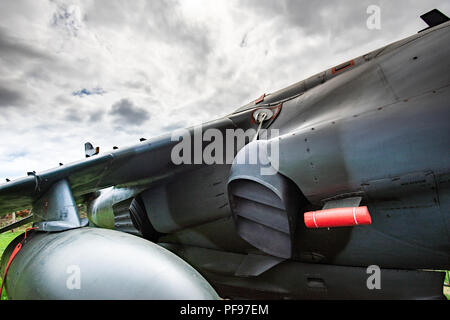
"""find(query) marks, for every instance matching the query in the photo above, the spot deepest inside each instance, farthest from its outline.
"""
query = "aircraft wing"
(140, 164)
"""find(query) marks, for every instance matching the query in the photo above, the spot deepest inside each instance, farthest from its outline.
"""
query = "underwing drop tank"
(93, 263)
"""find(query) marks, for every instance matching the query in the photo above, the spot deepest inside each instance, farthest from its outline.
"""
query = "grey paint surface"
(111, 264)
(56, 210)
(295, 280)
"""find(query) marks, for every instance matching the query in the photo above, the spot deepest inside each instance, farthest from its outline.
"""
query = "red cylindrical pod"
(337, 217)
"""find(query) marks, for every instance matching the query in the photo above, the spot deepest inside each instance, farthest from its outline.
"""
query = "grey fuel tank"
(91, 263)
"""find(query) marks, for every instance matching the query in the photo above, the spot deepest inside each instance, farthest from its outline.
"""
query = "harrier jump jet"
(357, 204)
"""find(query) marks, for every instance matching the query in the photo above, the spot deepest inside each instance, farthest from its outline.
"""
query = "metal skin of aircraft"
(373, 132)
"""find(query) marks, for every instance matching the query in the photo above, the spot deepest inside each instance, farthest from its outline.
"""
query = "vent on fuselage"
(265, 213)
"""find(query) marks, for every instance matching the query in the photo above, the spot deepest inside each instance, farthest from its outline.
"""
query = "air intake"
(264, 207)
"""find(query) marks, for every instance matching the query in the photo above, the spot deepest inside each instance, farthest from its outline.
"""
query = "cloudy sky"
(111, 72)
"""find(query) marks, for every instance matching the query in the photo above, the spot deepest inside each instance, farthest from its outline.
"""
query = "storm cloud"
(126, 112)
(113, 71)
(9, 97)
(14, 49)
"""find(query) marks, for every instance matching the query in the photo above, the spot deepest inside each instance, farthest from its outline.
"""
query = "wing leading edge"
(140, 164)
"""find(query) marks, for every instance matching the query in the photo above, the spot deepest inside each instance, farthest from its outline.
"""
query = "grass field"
(7, 237)
(447, 289)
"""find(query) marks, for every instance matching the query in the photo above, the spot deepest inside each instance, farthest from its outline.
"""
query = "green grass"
(447, 289)
(447, 292)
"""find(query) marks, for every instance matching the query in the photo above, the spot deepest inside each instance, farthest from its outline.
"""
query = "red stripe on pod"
(11, 258)
(337, 217)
